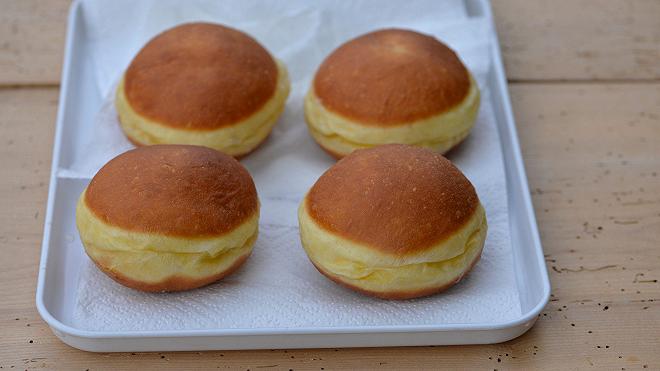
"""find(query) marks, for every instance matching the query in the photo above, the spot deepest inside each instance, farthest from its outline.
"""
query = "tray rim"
(511, 329)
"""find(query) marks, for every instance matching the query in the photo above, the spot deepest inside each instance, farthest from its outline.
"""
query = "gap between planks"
(29, 86)
(584, 81)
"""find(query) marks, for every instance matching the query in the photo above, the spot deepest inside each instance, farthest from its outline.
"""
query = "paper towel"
(278, 287)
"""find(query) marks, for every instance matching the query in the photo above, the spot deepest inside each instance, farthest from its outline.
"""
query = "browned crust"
(391, 77)
(200, 76)
(394, 198)
(173, 283)
(400, 295)
(173, 190)
(338, 156)
(240, 156)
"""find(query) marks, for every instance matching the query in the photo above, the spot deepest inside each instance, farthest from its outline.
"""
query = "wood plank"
(591, 153)
(579, 39)
(32, 36)
(541, 40)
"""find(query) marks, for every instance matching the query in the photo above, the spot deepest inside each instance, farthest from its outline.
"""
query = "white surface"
(63, 260)
(299, 32)
(278, 274)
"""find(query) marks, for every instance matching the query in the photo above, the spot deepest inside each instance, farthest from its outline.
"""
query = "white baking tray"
(61, 264)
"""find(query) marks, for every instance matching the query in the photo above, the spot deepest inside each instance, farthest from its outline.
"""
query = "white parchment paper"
(278, 287)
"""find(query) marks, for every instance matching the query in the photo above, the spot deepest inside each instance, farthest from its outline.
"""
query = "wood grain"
(591, 153)
(541, 40)
(32, 41)
(579, 39)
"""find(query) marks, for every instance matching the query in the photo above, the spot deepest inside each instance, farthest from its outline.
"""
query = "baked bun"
(391, 86)
(169, 217)
(394, 221)
(202, 84)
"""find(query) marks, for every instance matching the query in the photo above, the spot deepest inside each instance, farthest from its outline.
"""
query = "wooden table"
(584, 77)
